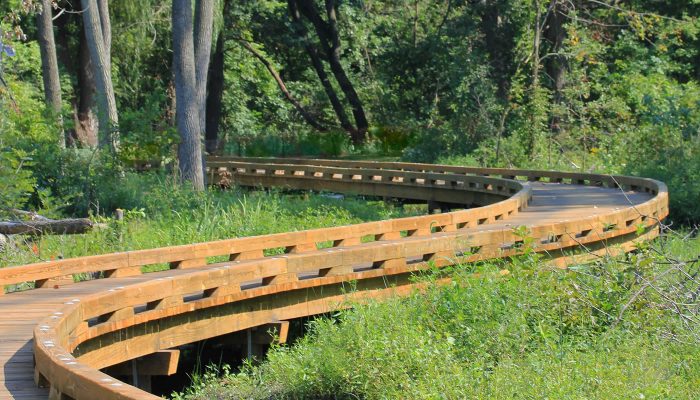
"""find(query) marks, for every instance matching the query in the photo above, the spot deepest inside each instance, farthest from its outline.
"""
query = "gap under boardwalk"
(21, 311)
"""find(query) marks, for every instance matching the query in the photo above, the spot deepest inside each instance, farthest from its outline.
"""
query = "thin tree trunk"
(106, 102)
(536, 101)
(215, 94)
(283, 88)
(330, 43)
(49, 66)
(536, 46)
(320, 71)
(187, 107)
(556, 65)
(415, 23)
(2, 78)
(500, 42)
(338, 107)
(106, 25)
(358, 110)
(203, 25)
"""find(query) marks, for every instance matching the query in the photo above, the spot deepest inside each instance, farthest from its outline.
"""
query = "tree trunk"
(214, 96)
(49, 65)
(318, 67)
(346, 85)
(107, 105)
(556, 65)
(106, 26)
(415, 22)
(187, 106)
(329, 38)
(499, 38)
(87, 126)
(283, 88)
(203, 25)
(536, 46)
(2, 78)
(74, 55)
(338, 107)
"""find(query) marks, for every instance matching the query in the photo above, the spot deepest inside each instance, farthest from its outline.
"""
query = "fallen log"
(46, 226)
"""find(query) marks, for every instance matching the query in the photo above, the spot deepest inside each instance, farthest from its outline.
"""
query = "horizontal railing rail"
(578, 178)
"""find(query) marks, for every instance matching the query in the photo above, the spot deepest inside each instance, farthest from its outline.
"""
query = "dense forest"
(109, 109)
(89, 89)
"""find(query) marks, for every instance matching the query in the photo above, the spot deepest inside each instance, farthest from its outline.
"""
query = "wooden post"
(258, 338)
(141, 370)
(433, 206)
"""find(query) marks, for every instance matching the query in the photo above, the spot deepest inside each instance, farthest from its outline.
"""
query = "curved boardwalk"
(36, 312)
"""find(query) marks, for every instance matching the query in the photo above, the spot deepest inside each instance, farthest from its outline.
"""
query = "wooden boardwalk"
(47, 312)
(20, 313)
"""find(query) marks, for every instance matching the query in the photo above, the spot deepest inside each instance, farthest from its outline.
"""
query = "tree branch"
(280, 83)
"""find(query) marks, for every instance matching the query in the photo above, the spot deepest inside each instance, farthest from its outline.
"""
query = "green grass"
(535, 333)
(160, 213)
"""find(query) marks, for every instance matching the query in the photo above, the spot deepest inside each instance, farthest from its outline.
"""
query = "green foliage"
(667, 143)
(147, 135)
(455, 81)
(326, 144)
(532, 333)
(452, 81)
(15, 180)
(26, 134)
(141, 71)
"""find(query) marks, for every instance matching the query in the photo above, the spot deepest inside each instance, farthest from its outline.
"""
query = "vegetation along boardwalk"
(56, 338)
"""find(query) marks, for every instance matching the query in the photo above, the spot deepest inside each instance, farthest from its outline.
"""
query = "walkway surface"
(21, 311)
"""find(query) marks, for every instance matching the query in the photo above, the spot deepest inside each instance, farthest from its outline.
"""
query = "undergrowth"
(162, 213)
(595, 331)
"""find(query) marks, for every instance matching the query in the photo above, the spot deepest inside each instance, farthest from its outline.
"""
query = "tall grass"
(161, 213)
(534, 333)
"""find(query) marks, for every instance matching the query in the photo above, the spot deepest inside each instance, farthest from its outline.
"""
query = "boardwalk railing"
(284, 276)
(460, 189)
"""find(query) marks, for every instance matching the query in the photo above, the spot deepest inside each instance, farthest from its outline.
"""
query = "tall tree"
(97, 30)
(74, 56)
(106, 25)
(49, 64)
(215, 94)
(203, 26)
(2, 51)
(87, 123)
(332, 48)
(556, 65)
(317, 64)
(187, 104)
(537, 29)
(329, 38)
(500, 36)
